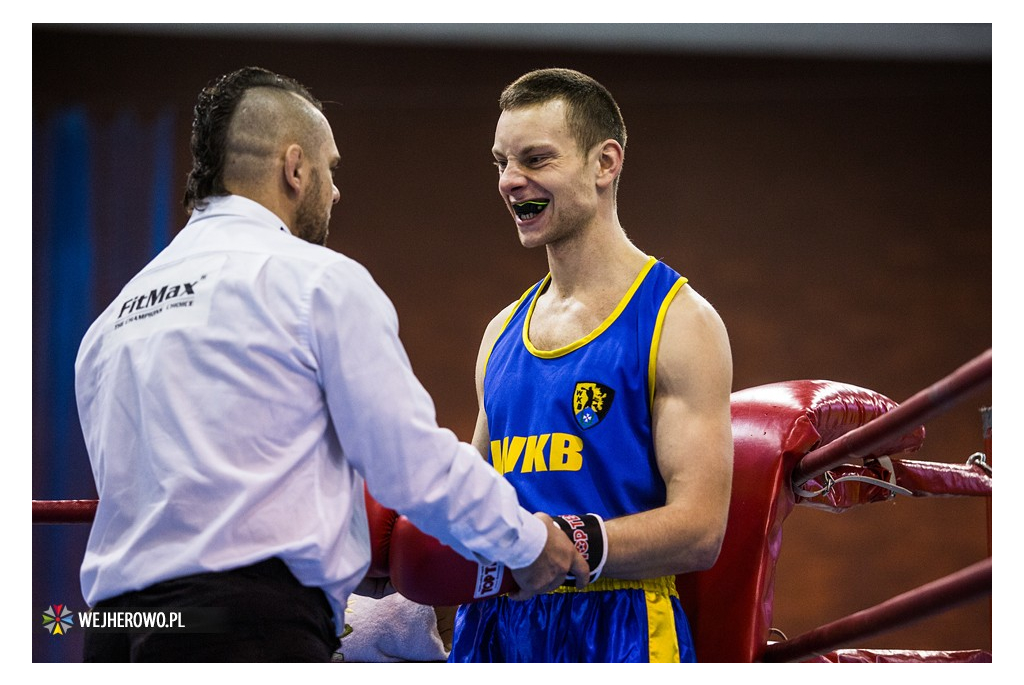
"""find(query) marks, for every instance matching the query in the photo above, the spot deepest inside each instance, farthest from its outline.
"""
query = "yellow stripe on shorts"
(662, 640)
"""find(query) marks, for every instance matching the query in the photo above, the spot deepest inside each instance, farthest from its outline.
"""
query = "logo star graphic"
(58, 619)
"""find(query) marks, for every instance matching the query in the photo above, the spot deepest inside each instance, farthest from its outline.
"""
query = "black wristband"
(587, 533)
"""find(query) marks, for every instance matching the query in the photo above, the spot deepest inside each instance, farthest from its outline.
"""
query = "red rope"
(64, 511)
(935, 597)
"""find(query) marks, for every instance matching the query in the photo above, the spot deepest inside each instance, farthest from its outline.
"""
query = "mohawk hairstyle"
(211, 119)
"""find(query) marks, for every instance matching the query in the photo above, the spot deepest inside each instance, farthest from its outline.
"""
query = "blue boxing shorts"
(609, 621)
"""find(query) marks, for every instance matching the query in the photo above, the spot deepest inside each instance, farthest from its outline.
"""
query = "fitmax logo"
(158, 296)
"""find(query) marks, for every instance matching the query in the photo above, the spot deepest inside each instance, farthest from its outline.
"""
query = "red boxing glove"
(382, 522)
(428, 572)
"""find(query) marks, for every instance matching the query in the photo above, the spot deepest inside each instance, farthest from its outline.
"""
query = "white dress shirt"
(234, 397)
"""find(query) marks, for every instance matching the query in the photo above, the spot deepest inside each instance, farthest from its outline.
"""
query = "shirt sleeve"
(386, 424)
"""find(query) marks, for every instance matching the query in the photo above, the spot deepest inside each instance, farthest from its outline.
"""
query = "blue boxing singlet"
(571, 430)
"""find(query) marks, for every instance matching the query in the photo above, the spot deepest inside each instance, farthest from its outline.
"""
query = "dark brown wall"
(837, 213)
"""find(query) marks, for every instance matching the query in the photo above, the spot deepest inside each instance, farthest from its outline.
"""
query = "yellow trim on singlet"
(551, 354)
(652, 364)
(505, 325)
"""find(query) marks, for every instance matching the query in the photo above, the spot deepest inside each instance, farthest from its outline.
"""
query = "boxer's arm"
(692, 429)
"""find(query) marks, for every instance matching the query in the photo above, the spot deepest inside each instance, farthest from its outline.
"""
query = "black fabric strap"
(587, 533)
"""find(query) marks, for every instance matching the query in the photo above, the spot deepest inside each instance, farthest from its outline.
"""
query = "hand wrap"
(587, 533)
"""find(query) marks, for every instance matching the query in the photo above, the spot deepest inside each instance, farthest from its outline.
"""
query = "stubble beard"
(312, 221)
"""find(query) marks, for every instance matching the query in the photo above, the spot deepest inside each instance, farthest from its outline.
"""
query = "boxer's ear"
(609, 156)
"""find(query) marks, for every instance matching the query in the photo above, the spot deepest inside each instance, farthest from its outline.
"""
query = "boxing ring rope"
(64, 511)
(961, 587)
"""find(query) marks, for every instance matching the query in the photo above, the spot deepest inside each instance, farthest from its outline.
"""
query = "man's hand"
(558, 559)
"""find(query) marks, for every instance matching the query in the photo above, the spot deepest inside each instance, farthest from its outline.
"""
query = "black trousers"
(268, 616)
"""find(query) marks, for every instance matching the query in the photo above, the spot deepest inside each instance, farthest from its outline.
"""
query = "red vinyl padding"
(774, 426)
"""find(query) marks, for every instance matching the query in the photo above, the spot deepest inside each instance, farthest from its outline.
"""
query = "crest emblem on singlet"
(590, 403)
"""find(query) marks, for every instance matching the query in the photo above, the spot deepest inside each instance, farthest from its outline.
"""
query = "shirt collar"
(236, 205)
